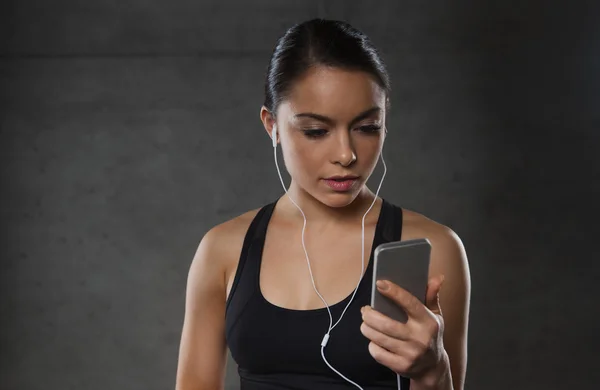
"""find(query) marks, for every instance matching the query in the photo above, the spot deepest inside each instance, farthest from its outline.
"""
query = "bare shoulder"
(226, 239)
(222, 244)
(447, 249)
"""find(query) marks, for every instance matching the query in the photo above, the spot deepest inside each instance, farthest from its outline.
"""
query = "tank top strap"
(255, 233)
(391, 224)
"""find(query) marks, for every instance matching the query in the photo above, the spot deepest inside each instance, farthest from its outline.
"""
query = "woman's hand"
(413, 349)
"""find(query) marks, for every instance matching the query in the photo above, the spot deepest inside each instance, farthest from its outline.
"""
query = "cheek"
(368, 150)
(305, 154)
(298, 158)
(304, 161)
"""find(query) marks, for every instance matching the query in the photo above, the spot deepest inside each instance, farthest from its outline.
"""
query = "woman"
(252, 283)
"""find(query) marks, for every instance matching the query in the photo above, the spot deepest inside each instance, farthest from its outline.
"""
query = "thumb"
(432, 297)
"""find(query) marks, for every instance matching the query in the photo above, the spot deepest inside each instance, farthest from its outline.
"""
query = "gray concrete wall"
(128, 129)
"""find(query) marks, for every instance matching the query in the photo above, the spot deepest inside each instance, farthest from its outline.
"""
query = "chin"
(339, 199)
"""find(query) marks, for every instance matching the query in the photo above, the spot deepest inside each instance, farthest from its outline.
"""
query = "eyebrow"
(330, 121)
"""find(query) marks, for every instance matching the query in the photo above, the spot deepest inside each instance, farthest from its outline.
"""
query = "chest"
(334, 263)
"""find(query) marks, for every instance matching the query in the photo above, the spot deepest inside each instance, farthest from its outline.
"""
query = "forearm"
(439, 378)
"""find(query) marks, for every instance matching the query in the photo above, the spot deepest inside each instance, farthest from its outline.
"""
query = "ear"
(268, 120)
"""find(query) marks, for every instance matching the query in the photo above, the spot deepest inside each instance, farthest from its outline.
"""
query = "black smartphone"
(405, 263)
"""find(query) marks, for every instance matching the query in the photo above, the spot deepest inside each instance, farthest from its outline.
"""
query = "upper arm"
(449, 258)
(203, 351)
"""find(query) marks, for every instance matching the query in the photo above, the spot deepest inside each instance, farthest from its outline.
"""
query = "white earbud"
(274, 135)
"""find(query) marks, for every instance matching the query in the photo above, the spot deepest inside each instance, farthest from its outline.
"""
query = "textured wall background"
(130, 128)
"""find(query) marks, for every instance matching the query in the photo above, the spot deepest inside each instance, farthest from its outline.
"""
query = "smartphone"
(405, 263)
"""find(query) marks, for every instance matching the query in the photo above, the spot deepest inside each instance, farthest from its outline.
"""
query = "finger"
(397, 363)
(382, 339)
(432, 296)
(411, 304)
(385, 324)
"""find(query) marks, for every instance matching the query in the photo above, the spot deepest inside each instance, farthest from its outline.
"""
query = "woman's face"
(332, 125)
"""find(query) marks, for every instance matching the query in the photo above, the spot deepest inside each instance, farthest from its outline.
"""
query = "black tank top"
(279, 348)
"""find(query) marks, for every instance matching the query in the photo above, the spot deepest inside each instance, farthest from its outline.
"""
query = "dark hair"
(320, 42)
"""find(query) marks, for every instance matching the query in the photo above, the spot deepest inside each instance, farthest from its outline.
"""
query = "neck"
(318, 212)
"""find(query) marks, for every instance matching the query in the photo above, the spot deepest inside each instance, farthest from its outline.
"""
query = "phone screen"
(405, 263)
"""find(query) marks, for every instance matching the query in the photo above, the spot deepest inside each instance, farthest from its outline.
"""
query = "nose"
(343, 153)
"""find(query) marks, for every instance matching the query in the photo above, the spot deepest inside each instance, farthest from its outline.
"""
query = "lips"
(342, 178)
(341, 183)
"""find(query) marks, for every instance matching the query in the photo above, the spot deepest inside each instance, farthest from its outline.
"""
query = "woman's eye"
(315, 133)
(370, 128)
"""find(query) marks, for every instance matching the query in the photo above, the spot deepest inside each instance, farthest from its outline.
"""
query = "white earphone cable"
(331, 325)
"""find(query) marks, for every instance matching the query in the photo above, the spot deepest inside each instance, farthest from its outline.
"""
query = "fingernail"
(382, 285)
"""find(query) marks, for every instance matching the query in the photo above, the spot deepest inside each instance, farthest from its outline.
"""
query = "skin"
(431, 347)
